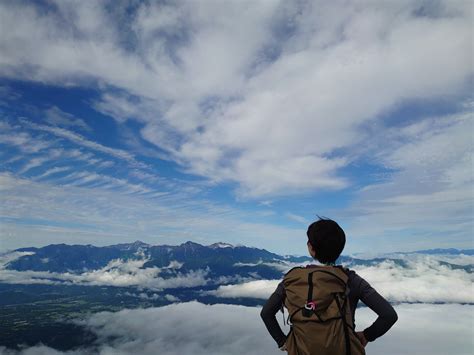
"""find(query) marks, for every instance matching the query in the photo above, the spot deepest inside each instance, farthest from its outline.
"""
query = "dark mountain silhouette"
(220, 259)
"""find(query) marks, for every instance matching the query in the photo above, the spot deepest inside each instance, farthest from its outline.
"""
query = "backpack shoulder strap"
(292, 269)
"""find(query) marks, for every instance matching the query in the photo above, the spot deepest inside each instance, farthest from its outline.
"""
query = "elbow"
(266, 314)
(392, 317)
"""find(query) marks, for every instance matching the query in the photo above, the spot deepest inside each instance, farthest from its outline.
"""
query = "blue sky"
(236, 121)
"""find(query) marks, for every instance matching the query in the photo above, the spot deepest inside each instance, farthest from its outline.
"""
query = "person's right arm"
(269, 310)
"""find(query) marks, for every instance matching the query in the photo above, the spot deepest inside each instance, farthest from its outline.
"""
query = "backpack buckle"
(309, 308)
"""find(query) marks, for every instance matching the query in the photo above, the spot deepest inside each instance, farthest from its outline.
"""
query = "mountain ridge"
(223, 259)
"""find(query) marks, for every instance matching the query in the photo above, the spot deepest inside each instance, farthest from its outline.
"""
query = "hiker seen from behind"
(321, 301)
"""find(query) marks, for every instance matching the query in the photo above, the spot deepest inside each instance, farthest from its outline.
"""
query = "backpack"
(319, 312)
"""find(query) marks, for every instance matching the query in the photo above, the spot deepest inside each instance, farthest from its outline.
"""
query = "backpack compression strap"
(343, 318)
(309, 306)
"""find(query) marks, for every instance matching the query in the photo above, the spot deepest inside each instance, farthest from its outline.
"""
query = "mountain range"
(221, 259)
(44, 290)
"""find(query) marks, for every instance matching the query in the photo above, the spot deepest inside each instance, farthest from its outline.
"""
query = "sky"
(236, 121)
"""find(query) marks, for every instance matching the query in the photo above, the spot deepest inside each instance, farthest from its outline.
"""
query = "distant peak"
(221, 245)
(190, 243)
(139, 243)
(135, 245)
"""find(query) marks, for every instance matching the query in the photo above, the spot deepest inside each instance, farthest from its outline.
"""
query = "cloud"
(428, 192)
(57, 117)
(92, 179)
(80, 140)
(100, 216)
(253, 289)
(44, 158)
(230, 335)
(119, 273)
(53, 171)
(419, 331)
(25, 142)
(273, 96)
(422, 279)
(296, 218)
(179, 329)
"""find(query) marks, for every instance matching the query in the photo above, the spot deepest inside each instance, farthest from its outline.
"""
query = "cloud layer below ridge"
(180, 329)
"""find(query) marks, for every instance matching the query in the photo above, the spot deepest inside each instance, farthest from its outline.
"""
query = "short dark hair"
(327, 238)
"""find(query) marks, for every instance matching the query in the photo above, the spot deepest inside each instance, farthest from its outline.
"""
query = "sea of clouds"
(199, 329)
(434, 302)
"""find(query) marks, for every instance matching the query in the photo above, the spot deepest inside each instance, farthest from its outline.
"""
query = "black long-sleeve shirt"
(359, 289)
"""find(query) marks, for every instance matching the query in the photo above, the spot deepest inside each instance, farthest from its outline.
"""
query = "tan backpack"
(319, 312)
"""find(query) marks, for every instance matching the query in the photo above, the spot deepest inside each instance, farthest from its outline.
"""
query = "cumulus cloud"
(180, 329)
(456, 259)
(421, 281)
(424, 279)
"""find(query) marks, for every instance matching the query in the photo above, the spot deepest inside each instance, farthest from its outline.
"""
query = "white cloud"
(95, 215)
(33, 163)
(265, 94)
(423, 279)
(456, 259)
(92, 179)
(179, 329)
(80, 140)
(52, 171)
(429, 191)
(25, 142)
(174, 335)
(171, 298)
(296, 218)
(8, 257)
(419, 330)
(253, 289)
(57, 117)
(119, 273)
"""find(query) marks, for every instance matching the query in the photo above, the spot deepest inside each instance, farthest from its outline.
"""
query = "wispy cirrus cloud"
(39, 213)
(80, 140)
(57, 117)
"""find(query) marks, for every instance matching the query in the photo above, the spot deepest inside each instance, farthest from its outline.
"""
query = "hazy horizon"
(366, 253)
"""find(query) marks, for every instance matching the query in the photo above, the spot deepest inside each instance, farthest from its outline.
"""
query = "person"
(326, 240)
